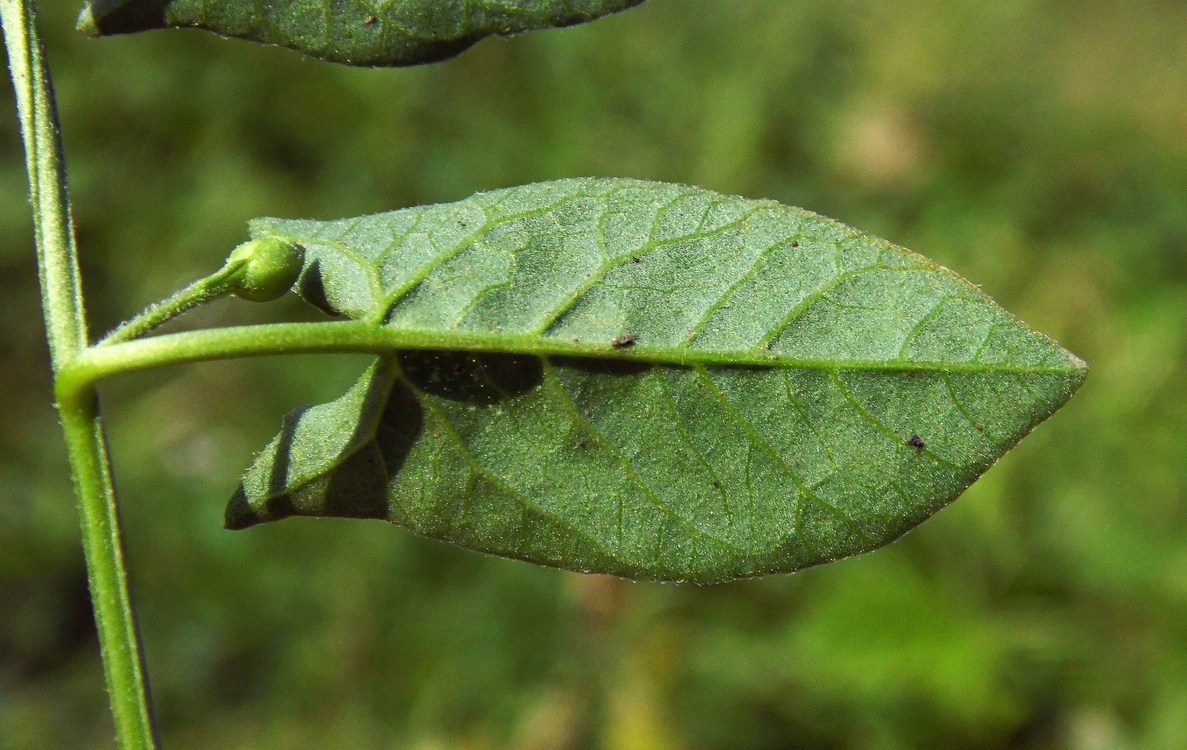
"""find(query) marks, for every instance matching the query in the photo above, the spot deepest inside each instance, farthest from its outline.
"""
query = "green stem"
(100, 362)
(216, 285)
(65, 323)
(53, 229)
(119, 643)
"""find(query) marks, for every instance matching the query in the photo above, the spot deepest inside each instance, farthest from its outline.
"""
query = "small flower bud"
(272, 267)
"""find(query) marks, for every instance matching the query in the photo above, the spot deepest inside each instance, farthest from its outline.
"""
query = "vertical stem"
(119, 642)
(65, 324)
(53, 228)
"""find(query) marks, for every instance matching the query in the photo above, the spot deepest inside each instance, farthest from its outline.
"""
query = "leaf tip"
(1079, 370)
(86, 21)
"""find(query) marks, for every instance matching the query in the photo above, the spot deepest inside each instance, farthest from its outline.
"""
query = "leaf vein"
(899, 442)
(629, 470)
(599, 274)
(702, 459)
(761, 440)
(448, 428)
(442, 258)
(803, 305)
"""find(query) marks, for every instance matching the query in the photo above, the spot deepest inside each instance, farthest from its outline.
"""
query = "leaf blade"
(354, 32)
(817, 397)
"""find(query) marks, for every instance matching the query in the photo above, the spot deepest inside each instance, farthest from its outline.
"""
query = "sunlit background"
(1039, 149)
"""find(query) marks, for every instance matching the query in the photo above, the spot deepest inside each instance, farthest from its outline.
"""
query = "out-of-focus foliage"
(1036, 148)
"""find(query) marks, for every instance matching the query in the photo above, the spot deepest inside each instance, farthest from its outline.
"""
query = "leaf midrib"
(544, 346)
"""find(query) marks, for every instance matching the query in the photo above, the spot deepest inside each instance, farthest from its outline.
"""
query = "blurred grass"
(1038, 149)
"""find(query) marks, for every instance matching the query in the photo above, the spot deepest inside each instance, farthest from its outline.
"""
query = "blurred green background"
(1039, 149)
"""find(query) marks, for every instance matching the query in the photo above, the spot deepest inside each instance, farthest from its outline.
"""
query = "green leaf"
(650, 380)
(355, 32)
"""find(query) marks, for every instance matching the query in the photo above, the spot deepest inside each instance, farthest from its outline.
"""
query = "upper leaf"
(355, 32)
(650, 380)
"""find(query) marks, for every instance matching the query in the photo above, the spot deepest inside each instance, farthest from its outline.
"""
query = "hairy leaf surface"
(355, 32)
(650, 380)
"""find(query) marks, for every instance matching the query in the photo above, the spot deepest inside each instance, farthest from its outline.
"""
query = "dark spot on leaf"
(795, 243)
(978, 427)
(636, 259)
(602, 365)
(625, 340)
(371, 20)
(916, 442)
(483, 379)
